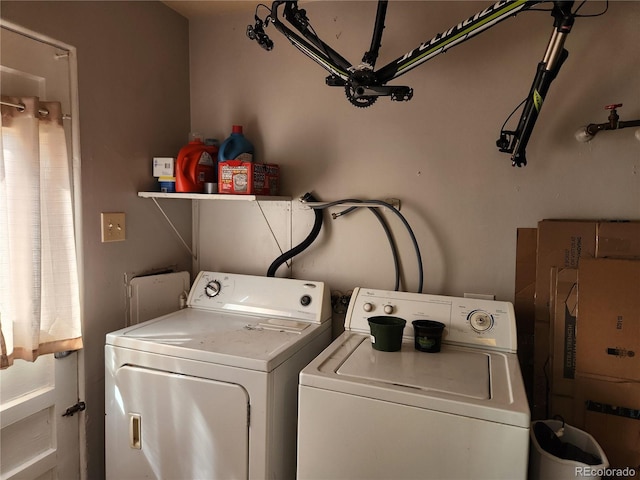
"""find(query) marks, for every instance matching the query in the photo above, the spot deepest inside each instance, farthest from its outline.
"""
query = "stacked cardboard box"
(579, 266)
(607, 391)
(523, 304)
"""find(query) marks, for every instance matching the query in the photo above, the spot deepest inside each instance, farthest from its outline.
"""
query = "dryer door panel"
(166, 425)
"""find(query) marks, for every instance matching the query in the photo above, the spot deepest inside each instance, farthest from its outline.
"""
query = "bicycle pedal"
(401, 94)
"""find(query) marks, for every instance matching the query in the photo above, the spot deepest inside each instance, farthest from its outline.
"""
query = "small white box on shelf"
(163, 166)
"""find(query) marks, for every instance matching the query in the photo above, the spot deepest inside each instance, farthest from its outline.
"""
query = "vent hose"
(317, 225)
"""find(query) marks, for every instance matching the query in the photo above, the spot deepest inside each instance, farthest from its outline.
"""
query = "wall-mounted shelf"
(213, 196)
(258, 199)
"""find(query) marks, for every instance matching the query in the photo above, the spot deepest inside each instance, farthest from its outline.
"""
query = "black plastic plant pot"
(428, 335)
(386, 333)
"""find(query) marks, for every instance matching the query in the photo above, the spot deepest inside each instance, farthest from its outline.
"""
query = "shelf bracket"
(193, 256)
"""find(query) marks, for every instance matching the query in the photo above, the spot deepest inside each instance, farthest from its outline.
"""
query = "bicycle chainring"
(360, 102)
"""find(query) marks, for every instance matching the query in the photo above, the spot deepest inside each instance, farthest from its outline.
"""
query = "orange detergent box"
(248, 178)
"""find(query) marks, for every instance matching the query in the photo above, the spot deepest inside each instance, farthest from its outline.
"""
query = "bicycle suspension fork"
(515, 142)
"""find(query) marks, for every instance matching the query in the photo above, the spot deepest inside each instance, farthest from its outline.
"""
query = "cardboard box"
(248, 178)
(163, 166)
(561, 244)
(526, 247)
(608, 335)
(609, 410)
(618, 240)
(563, 358)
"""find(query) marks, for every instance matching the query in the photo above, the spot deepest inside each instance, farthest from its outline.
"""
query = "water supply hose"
(387, 231)
(399, 215)
(315, 231)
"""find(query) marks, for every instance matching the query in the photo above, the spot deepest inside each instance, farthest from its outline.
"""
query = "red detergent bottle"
(196, 165)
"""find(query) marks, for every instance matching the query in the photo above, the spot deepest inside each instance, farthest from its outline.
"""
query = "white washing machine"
(210, 391)
(461, 413)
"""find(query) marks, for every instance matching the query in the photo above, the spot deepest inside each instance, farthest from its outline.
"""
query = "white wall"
(435, 153)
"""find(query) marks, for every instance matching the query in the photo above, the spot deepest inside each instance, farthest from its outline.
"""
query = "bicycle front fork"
(515, 142)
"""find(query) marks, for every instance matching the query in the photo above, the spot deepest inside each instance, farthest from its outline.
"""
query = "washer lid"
(464, 373)
(475, 383)
(252, 342)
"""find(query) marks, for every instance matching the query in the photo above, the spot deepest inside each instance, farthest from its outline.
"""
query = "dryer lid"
(256, 343)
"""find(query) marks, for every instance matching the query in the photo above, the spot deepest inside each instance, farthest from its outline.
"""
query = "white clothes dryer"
(210, 391)
(457, 414)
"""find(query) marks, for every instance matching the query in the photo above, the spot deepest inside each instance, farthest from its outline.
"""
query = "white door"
(174, 426)
(36, 440)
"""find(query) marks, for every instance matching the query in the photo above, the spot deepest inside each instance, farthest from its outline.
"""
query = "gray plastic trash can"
(545, 466)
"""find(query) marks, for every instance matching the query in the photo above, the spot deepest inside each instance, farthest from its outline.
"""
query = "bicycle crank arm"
(397, 93)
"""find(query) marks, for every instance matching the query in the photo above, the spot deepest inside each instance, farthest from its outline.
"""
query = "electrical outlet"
(113, 227)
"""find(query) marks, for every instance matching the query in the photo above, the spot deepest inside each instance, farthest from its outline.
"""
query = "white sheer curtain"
(39, 295)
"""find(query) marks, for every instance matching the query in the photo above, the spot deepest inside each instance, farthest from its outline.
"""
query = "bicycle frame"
(364, 84)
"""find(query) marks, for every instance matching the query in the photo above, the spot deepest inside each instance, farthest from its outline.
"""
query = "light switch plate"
(113, 227)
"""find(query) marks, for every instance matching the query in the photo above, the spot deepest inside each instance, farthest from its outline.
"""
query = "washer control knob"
(212, 288)
(367, 307)
(480, 320)
(388, 309)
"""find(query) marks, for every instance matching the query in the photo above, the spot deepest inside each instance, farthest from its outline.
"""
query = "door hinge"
(78, 407)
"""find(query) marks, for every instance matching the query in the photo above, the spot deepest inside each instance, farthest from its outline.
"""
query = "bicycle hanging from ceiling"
(363, 83)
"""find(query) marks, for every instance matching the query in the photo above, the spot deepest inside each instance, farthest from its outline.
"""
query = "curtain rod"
(42, 111)
(21, 107)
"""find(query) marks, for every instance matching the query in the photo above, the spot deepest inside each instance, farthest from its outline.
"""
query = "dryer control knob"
(367, 307)
(305, 300)
(388, 309)
(212, 288)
